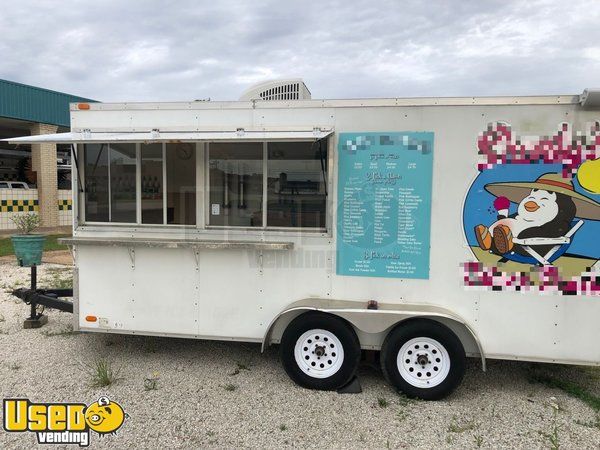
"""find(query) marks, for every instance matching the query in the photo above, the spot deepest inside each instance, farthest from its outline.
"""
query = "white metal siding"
(238, 300)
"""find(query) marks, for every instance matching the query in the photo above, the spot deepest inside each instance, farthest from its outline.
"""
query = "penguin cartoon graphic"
(546, 209)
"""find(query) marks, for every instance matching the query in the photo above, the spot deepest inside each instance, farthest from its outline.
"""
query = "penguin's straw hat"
(553, 182)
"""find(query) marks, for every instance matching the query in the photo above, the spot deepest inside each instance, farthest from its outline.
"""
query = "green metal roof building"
(34, 104)
(29, 110)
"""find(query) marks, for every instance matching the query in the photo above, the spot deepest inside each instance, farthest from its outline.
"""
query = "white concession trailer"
(430, 229)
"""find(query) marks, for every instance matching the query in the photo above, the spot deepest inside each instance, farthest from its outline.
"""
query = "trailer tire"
(335, 343)
(423, 359)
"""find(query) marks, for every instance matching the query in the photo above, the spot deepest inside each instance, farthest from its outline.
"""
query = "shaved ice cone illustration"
(502, 204)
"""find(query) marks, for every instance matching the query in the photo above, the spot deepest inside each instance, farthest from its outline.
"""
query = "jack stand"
(352, 387)
(35, 320)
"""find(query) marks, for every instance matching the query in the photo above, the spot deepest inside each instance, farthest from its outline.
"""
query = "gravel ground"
(214, 394)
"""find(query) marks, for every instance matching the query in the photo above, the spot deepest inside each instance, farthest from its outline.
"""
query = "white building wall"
(65, 207)
(26, 201)
(14, 202)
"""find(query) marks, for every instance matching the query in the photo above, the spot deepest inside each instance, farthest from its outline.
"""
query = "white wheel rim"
(319, 353)
(423, 362)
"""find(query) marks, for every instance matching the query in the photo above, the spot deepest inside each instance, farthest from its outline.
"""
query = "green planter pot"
(28, 248)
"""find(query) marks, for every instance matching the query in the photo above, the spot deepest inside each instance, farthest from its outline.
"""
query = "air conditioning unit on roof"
(289, 89)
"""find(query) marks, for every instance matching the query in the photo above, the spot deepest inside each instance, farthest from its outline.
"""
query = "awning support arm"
(74, 156)
(98, 158)
(318, 142)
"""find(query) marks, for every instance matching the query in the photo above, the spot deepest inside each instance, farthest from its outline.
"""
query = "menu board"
(384, 204)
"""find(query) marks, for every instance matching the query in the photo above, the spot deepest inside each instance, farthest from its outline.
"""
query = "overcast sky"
(184, 50)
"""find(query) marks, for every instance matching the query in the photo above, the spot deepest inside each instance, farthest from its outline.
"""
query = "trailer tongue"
(48, 298)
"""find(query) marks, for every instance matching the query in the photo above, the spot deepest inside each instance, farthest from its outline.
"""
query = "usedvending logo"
(63, 423)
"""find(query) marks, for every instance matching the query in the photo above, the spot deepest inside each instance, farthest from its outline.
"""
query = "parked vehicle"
(429, 229)
(13, 185)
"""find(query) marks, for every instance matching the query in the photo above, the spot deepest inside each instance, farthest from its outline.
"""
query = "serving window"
(250, 184)
(267, 185)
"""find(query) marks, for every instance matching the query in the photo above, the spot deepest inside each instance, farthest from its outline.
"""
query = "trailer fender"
(376, 322)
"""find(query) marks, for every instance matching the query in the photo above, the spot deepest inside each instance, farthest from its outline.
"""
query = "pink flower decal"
(547, 279)
(498, 145)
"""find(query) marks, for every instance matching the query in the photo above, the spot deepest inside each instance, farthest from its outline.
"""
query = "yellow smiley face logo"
(104, 416)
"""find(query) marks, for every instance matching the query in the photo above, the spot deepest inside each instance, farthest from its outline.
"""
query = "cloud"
(182, 50)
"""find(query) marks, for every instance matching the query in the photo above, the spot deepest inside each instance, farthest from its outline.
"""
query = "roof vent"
(590, 98)
(289, 89)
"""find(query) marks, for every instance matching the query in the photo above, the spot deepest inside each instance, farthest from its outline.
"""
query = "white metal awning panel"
(170, 136)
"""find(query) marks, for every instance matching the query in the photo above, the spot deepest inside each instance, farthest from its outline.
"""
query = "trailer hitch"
(46, 297)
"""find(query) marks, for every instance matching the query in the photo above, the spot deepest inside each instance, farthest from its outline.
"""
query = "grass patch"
(6, 247)
(456, 427)
(592, 372)
(58, 278)
(404, 403)
(382, 402)
(403, 400)
(572, 389)
(553, 435)
(229, 387)
(239, 368)
(401, 415)
(283, 427)
(50, 245)
(151, 384)
(102, 373)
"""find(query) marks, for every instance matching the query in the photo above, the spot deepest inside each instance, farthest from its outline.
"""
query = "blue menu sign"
(384, 204)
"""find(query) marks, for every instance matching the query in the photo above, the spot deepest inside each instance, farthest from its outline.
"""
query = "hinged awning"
(170, 136)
